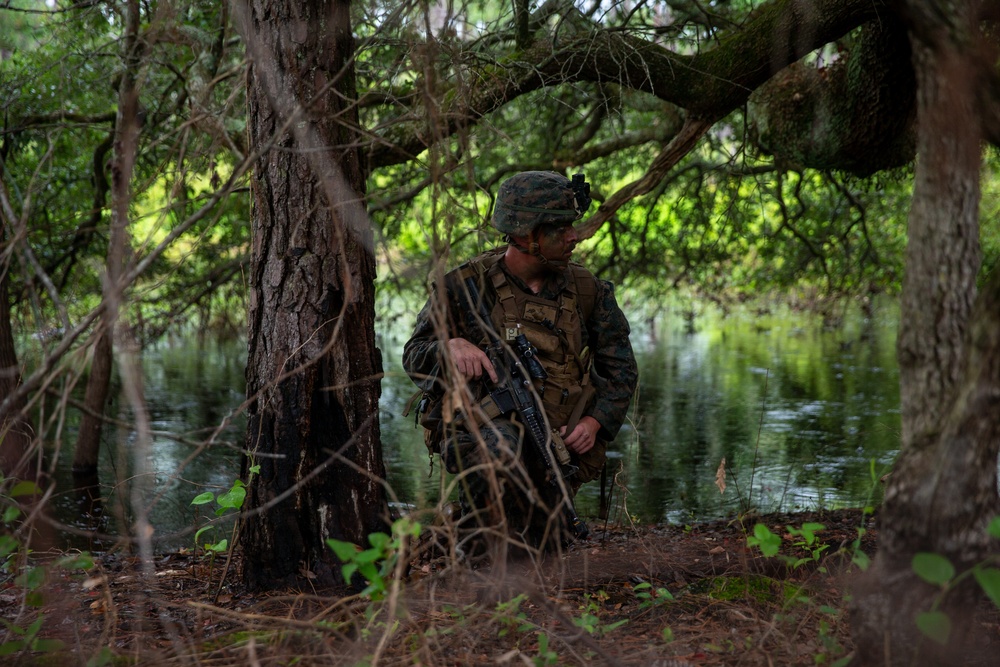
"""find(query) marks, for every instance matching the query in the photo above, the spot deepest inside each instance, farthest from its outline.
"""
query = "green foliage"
(229, 501)
(939, 571)
(762, 538)
(377, 563)
(546, 656)
(589, 619)
(649, 597)
(511, 617)
(933, 568)
(30, 578)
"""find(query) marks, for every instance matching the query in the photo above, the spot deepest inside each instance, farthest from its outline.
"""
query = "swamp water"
(805, 417)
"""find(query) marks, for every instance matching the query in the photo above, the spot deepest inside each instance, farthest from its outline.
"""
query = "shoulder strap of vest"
(479, 265)
(586, 289)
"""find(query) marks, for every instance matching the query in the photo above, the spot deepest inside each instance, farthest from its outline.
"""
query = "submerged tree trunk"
(88, 440)
(943, 490)
(313, 368)
(125, 145)
(16, 432)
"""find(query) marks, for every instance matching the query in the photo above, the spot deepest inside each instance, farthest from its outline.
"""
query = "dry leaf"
(720, 476)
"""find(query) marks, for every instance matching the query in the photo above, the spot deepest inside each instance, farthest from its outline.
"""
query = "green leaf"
(368, 556)
(994, 527)
(9, 648)
(233, 498)
(203, 498)
(201, 530)
(379, 541)
(24, 488)
(989, 579)
(768, 543)
(10, 514)
(219, 546)
(255, 470)
(346, 551)
(935, 625)
(810, 529)
(933, 568)
(80, 561)
(8, 545)
(31, 578)
(47, 645)
(613, 626)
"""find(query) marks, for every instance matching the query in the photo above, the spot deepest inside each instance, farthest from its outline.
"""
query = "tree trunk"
(125, 146)
(16, 432)
(313, 368)
(943, 490)
(88, 439)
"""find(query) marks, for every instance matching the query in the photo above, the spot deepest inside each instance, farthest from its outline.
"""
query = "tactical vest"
(554, 327)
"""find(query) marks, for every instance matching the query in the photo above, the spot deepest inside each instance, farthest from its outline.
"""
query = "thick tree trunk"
(313, 368)
(943, 490)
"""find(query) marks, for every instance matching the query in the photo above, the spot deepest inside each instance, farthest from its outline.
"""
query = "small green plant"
(937, 570)
(807, 540)
(649, 597)
(770, 544)
(14, 560)
(762, 538)
(546, 656)
(510, 616)
(377, 563)
(230, 500)
(590, 620)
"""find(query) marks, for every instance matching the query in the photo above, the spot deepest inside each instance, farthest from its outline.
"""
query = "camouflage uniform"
(493, 452)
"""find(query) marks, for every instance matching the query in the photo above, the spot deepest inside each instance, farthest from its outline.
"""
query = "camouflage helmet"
(533, 198)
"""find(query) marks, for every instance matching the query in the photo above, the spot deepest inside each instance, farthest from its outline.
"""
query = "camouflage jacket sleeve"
(615, 373)
(439, 320)
(421, 352)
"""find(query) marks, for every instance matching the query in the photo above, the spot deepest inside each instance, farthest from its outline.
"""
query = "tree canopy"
(735, 148)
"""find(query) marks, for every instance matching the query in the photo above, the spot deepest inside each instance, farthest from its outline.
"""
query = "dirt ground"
(661, 596)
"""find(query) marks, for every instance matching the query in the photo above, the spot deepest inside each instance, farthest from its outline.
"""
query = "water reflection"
(799, 414)
(192, 390)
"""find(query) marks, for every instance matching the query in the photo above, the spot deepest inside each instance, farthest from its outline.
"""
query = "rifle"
(516, 366)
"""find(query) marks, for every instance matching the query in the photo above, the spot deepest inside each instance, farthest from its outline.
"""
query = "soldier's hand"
(583, 437)
(470, 361)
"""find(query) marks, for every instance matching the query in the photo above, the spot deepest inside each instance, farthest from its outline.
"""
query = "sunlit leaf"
(233, 498)
(203, 498)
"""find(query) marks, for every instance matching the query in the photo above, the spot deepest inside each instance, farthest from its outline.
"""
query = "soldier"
(577, 332)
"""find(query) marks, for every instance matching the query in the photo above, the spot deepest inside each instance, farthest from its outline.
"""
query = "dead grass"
(657, 595)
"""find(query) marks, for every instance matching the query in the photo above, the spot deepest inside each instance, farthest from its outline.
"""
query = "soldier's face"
(556, 243)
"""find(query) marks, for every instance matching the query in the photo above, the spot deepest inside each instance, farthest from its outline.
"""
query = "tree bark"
(16, 431)
(943, 489)
(313, 368)
(88, 439)
(125, 146)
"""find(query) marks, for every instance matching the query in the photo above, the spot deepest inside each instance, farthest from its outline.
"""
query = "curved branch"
(709, 84)
(694, 128)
